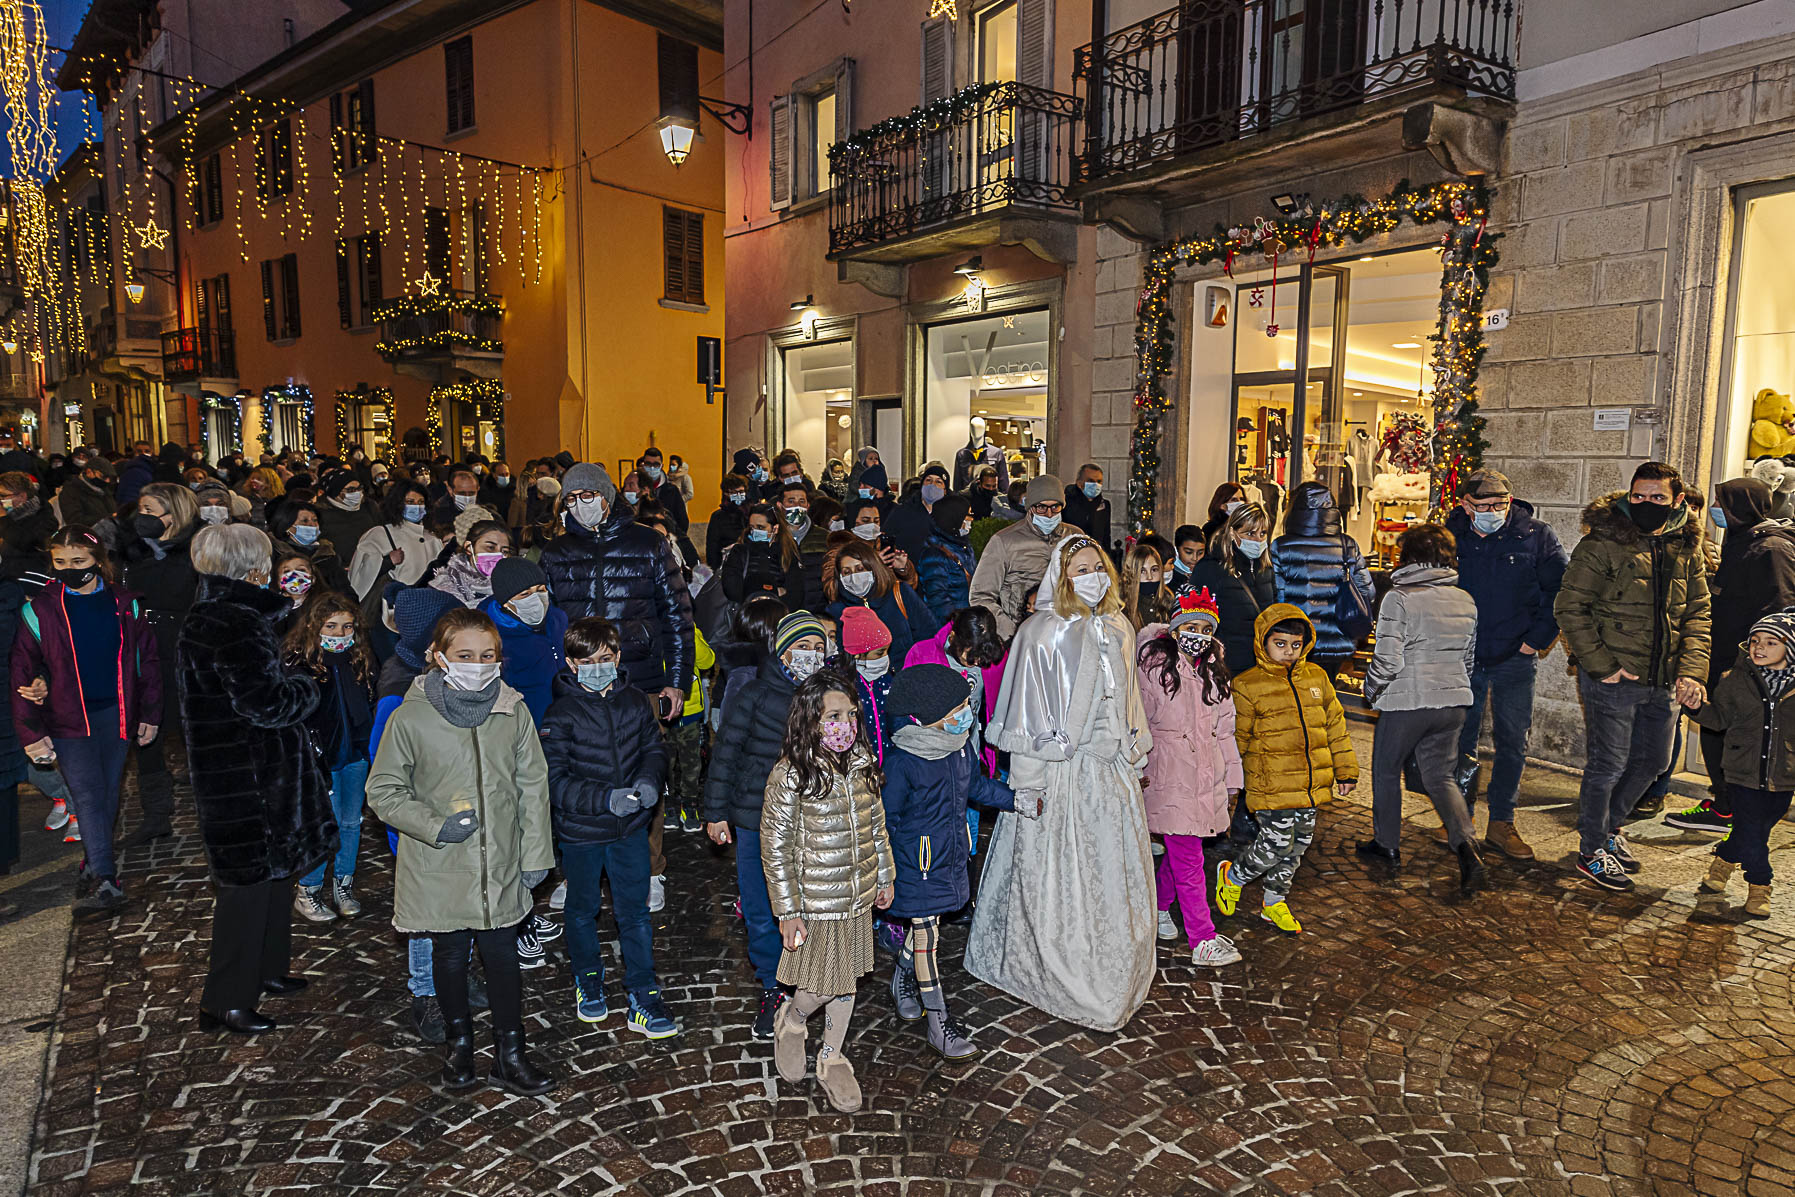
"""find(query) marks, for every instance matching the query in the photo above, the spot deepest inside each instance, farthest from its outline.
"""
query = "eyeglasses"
(1053, 508)
(1499, 503)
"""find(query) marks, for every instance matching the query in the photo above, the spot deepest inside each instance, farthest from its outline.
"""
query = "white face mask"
(1091, 587)
(859, 585)
(350, 499)
(804, 662)
(215, 515)
(463, 502)
(589, 512)
(874, 669)
(866, 531)
(531, 608)
(1047, 525)
(468, 675)
(836, 525)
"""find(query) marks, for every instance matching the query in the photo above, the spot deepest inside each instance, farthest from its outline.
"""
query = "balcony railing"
(190, 353)
(992, 147)
(451, 323)
(18, 386)
(1213, 71)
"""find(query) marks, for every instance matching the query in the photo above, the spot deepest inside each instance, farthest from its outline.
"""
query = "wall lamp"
(678, 131)
(971, 265)
(134, 288)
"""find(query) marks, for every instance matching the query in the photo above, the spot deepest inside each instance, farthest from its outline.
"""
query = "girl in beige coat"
(828, 865)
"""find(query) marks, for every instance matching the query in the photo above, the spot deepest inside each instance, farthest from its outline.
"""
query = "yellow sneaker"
(1227, 894)
(1278, 915)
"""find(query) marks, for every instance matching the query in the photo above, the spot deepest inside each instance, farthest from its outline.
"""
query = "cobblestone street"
(1541, 1039)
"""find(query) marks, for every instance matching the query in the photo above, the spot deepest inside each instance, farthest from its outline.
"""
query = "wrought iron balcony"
(193, 353)
(18, 386)
(1211, 72)
(435, 328)
(987, 152)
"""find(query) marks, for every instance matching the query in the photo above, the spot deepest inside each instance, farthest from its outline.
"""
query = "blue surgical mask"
(961, 722)
(1047, 525)
(414, 513)
(1487, 522)
(654, 472)
(303, 534)
(1253, 548)
(1092, 489)
(760, 536)
(933, 492)
(866, 492)
(758, 473)
(739, 497)
(596, 676)
(1719, 517)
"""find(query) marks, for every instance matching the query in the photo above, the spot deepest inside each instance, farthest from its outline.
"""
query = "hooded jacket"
(747, 746)
(1636, 601)
(596, 743)
(1513, 575)
(1312, 561)
(1426, 642)
(1759, 751)
(945, 572)
(900, 609)
(1289, 726)
(1757, 568)
(725, 528)
(630, 575)
(82, 503)
(925, 819)
(826, 855)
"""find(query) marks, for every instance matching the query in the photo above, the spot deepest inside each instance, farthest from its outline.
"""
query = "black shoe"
(238, 1022)
(458, 1055)
(511, 1068)
(427, 1019)
(1374, 849)
(143, 833)
(105, 900)
(770, 1001)
(1647, 808)
(282, 986)
(1470, 869)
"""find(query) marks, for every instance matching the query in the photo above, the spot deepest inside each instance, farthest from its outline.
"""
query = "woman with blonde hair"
(1142, 573)
(262, 487)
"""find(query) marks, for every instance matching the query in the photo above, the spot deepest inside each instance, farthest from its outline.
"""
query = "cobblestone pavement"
(1542, 1038)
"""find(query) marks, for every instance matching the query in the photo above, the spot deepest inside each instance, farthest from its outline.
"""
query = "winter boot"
(1719, 871)
(458, 1054)
(511, 1068)
(342, 893)
(1503, 837)
(1757, 901)
(947, 1036)
(790, 1030)
(905, 994)
(836, 1076)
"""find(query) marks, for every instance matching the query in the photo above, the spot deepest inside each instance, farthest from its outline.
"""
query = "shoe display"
(1622, 852)
(589, 999)
(1502, 837)
(458, 1055)
(558, 899)
(789, 1034)
(1719, 872)
(237, 1022)
(308, 904)
(342, 895)
(906, 995)
(1168, 927)
(106, 898)
(530, 953)
(512, 1069)
(72, 833)
(1377, 851)
(58, 817)
(1213, 953)
(1757, 901)
(770, 1001)
(1227, 894)
(840, 1086)
(657, 892)
(1700, 817)
(1470, 869)
(1278, 915)
(427, 1018)
(648, 1015)
(1605, 871)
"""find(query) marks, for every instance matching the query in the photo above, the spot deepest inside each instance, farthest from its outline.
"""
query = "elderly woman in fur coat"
(263, 800)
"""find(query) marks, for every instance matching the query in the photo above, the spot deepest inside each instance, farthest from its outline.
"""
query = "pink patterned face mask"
(838, 735)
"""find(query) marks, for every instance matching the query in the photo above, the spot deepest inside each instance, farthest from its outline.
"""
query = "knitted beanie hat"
(465, 521)
(1780, 624)
(586, 476)
(862, 631)
(1197, 607)
(514, 575)
(416, 611)
(926, 693)
(795, 627)
(1044, 488)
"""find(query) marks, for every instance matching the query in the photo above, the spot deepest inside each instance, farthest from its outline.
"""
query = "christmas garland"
(921, 119)
(481, 391)
(1469, 252)
(381, 396)
(429, 305)
(234, 403)
(274, 396)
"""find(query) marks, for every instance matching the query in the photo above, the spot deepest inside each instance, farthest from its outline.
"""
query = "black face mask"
(1649, 517)
(75, 579)
(1148, 591)
(150, 527)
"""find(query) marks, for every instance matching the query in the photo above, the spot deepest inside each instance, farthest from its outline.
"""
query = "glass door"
(1285, 333)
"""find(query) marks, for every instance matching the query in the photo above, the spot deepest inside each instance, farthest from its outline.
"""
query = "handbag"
(371, 612)
(1352, 614)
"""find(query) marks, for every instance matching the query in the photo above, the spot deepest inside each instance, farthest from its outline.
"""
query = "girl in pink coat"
(1194, 766)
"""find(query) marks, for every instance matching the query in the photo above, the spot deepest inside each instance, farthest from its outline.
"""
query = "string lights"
(348, 401)
(486, 394)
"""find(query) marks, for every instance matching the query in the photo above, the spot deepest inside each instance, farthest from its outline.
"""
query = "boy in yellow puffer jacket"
(1293, 744)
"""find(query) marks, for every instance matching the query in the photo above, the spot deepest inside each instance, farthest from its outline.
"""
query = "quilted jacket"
(596, 743)
(826, 855)
(631, 576)
(1290, 727)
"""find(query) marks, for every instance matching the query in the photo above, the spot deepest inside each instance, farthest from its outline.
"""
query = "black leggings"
(504, 980)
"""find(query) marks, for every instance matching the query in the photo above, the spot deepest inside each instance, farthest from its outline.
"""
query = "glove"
(646, 794)
(624, 802)
(458, 827)
(534, 877)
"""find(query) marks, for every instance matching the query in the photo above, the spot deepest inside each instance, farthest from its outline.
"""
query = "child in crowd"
(531, 627)
(1295, 750)
(330, 644)
(92, 645)
(1193, 769)
(1752, 705)
(461, 776)
(932, 772)
(867, 641)
(606, 769)
(1189, 548)
(828, 866)
(685, 745)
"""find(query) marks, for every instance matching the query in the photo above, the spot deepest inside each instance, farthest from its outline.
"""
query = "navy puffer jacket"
(925, 818)
(596, 743)
(1513, 576)
(1310, 563)
(945, 573)
(630, 575)
(747, 746)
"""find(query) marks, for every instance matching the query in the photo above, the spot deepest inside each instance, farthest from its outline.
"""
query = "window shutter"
(1034, 49)
(221, 303)
(844, 116)
(283, 157)
(345, 310)
(779, 153)
(268, 297)
(263, 166)
(673, 238)
(214, 181)
(694, 264)
(370, 256)
(458, 70)
(339, 148)
(202, 311)
(937, 59)
(290, 280)
(436, 243)
(370, 143)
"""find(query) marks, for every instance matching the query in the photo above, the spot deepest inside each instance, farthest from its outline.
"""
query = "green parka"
(427, 770)
(1636, 601)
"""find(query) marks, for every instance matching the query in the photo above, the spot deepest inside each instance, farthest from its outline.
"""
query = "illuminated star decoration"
(429, 284)
(943, 8)
(152, 236)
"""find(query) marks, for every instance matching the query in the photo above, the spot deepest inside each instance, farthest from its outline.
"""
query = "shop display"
(976, 453)
(1772, 426)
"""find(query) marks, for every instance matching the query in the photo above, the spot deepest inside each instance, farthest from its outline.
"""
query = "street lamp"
(134, 291)
(676, 139)
(680, 128)
(11, 346)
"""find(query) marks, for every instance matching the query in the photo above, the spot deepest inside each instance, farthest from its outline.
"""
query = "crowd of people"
(527, 674)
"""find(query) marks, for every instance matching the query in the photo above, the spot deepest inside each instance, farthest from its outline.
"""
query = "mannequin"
(978, 451)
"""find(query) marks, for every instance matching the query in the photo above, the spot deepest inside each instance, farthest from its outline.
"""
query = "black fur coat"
(262, 794)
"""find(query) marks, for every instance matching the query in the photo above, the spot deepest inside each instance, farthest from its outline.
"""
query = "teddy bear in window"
(1772, 425)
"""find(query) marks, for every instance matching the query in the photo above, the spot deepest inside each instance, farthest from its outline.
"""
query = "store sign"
(1613, 419)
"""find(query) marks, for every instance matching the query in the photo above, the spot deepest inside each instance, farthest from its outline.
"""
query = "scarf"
(461, 578)
(1777, 680)
(462, 708)
(929, 743)
(27, 509)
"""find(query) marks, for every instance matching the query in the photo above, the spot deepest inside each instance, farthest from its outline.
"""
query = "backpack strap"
(29, 615)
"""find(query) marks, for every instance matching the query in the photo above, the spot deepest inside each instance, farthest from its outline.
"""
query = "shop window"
(458, 76)
(995, 369)
(683, 233)
(819, 394)
(1758, 418)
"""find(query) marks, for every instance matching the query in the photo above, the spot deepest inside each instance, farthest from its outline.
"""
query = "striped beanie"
(795, 627)
(1780, 624)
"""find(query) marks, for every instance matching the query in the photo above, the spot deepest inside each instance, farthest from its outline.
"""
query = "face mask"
(804, 662)
(468, 675)
(788, 479)
(836, 525)
(414, 513)
(1047, 525)
(874, 668)
(1193, 643)
(838, 735)
(932, 493)
(1649, 517)
(422, 477)
(75, 579)
(337, 644)
(760, 535)
(966, 528)
(463, 502)
(214, 515)
(1233, 505)
(479, 469)
(350, 499)
(598, 676)
(379, 477)
(501, 481)
(630, 497)
(866, 492)
(487, 562)
(1253, 548)
(1091, 588)
(738, 498)
(866, 531)
(531, 608)
(589, 512)
(1719, 517)
(150, 527)
(295, 583)
(1092, 490)
(191, 486)
(304, 534)
(960, 722)
(758, 473)
(858, 584)
(1487, 522)
(1178, 566)
(797, 517)
(653, 472)
(1148, 590)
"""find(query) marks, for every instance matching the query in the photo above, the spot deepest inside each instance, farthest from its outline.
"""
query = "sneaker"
(544, 927)
(342, 893)
(689, 820)
(58, 817)
(1278, 915)
(1168, 928)
(589, 998)
(1227, 894)
(558, 899)
(1604, 871)
(1700, 817)
(107, 897)
(529, 948)
(1622, 852)
(72, 833)
(1646, 808)
(427, 1019)
(648, 1015)
(657, 892)
(1213, 953)
(308, 904)
(770, 1001)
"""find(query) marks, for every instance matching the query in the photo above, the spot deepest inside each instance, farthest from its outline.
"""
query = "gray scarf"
(462, 708)
(929, 743)
(27, 509)
(1777, 680)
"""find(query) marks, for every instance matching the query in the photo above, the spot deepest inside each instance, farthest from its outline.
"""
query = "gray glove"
(534, 877)
(624, 802)
(647, 794)
(458, 827)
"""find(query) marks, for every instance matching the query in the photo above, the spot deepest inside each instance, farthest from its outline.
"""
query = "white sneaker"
(657, 892)
(558, 899)
(1168, 929)
(1213, 953)
(308, 904)
(58, 817)
(530, 953)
